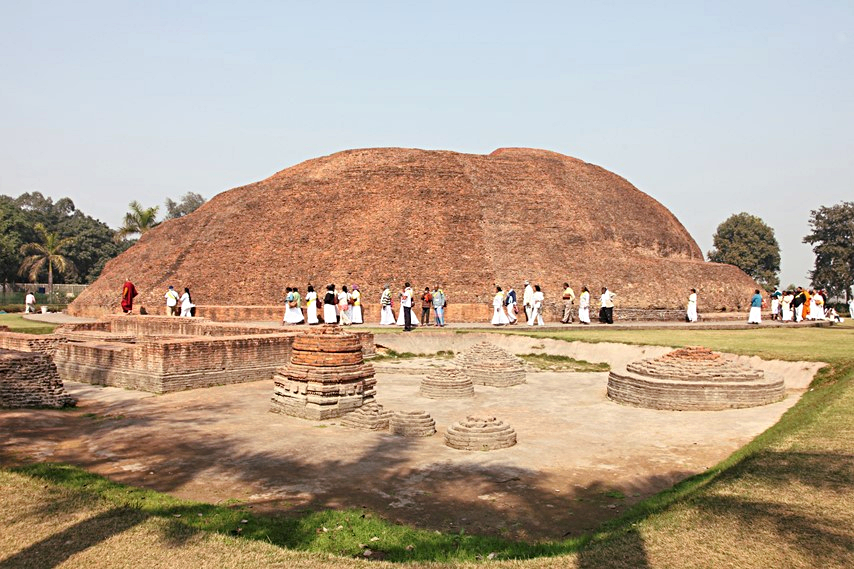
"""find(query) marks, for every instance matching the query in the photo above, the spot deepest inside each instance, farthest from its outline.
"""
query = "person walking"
(344, 306)
(537, 307)
(510, 303)
(330, 315)
(528, 301)
(584, 306)
(171, 301)
(499, 318)
(426, 306)
(691, 312)
(187, 305)
(775, 303)
(128, 294)
(311, 305)
(439, 303)
(386, 313)
(356, 304)
(606, 306)
(755, 316)
(30, 303)
(568, 301)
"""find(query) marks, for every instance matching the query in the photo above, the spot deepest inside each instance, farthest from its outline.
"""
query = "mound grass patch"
(17, 323)
(548, 362)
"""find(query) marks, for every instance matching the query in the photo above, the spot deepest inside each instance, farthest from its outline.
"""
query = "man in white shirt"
(406, 304)
(30, 302)
(528, 301)
(606, 306)
(171, 301)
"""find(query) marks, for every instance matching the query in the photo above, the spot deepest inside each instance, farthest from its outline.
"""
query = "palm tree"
(48, 252)
(138, 220)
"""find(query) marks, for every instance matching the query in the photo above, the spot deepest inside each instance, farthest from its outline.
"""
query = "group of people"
(505, 305)
(790, 306)
(434, 301)
(342, 306)
(188, 309)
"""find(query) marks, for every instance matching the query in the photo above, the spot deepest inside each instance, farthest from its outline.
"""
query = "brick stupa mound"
(30, 379)
(487, 364)
(369, 417)
(412, 424)
(480, 433)
(558, 217)
(449, 383)
(693, 379)
(326, 376)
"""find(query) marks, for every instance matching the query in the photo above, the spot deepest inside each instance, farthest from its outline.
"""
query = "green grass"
(17, 323)
(389, 354)
(563, 363)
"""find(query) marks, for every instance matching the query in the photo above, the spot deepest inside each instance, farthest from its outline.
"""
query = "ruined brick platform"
(369, 417)
(449, 383)
(693, 378)
(326, 376)
(30, 379)
(487, 364)
(412, 424)
(480, 433)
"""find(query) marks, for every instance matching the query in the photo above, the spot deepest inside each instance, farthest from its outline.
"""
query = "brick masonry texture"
(512, 215)
(487, 364)
(480, 433)
(693, 378)
(30, 379)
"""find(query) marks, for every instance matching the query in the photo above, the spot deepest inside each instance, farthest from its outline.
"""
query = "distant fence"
(15, 293)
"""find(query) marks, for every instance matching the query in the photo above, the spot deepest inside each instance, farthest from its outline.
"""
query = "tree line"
(42, 240)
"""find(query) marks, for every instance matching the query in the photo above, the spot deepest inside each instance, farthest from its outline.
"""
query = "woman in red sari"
(128, 292)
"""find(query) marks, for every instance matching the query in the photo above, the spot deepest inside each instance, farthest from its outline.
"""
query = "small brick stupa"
(449, 383)
(412, 424)
(480, 433)
(30, 379)
(693, 378)
(325, 378)
(369, 417)
(487, 364)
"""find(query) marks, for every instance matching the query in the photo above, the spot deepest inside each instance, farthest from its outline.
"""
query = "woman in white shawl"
(356, 305)
(691, 313)
(537, 313)
(311, 305)
(344, 306)
(584, 306)
(387, 313)
(499, 317)
(330, 315)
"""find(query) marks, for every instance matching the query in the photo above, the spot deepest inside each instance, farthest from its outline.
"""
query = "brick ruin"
(693, 378)
(30, 379)
(652, 261)
(163, 354)
(480, 433)
(447, 383)
(369, 417)
(412, 424)
(326, 376)
(487, 364)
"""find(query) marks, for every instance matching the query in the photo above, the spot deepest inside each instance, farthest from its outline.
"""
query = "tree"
(189, 203)
(49, 252)
(745, 241)
(832, 238)
(137, 221)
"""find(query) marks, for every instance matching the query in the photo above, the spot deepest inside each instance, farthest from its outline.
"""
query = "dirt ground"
(580, 458)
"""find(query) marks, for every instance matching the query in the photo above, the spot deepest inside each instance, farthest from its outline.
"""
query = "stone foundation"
(487, 364)
(369, 417)
(30, 379)
(693, 379)
(480, 433)
(450, 383)
(325, 378)
(412, 424)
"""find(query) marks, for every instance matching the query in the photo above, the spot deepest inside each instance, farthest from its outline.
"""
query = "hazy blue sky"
(712, 108)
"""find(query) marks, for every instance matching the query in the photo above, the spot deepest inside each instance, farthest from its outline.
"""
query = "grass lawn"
(784, 500)
(16, 323)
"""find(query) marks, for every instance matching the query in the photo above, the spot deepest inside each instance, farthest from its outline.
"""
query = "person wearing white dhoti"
(528, 301)
(386, 314)
(755, 316)
(510, 303)
(293, 312)
(499, 317)
(775, 303)
(786, 305)
(537, 307)
(584, 306)
(813, 310)
(691, 313)
(401, 318)
(330, 315)
(344, 306)
(289, 297)
(311, 305)
(818, 299)
(356, 305)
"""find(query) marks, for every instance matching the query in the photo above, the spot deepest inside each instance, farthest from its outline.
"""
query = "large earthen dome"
(387, 215)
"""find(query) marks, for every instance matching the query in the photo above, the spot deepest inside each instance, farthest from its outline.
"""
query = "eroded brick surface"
(30, 379)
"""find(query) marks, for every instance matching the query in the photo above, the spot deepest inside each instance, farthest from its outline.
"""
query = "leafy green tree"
(189, 203)
(15, 230)
(745, 241)
(832, 238)
(137, 221)
(47, 253)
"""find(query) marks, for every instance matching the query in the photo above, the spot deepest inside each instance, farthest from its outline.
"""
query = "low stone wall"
(30, 379)
(40, 343)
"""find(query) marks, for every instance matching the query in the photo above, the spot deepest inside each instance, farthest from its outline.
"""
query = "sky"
(712, 108)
